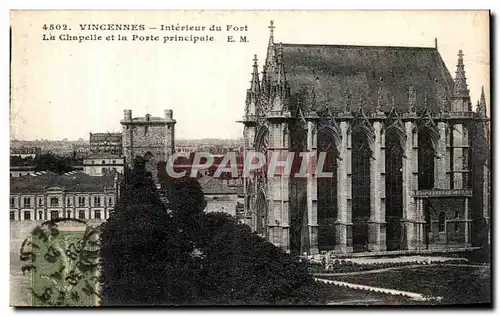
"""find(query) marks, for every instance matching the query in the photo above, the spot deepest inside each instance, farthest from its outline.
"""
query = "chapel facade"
(409, 157)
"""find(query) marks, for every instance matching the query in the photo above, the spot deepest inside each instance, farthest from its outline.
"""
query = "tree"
(145, 256)
(236, 265)
(49, 162)
(18, 161)
(242, 268)
(176, 254)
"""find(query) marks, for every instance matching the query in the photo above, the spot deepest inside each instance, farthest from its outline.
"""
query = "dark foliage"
(176, 254)
(18, 161)
(49, 162)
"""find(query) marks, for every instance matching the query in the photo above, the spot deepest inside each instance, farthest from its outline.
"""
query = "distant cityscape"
(81, 147)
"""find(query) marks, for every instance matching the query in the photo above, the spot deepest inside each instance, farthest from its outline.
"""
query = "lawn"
(457, 285)
(346, 296)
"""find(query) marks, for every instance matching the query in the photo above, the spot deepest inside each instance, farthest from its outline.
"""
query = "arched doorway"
(361, 156)
(149, 164)
(393, 189)
(327, 190)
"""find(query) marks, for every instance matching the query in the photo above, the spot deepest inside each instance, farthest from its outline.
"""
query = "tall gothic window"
(361, 155)
(299, 242)
(426, 155)
(261, 225)
(393, 190)
(327, 192)
(299, 235)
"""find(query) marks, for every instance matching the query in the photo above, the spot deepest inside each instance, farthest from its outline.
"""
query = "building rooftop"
(97, 135)
(211, 185)
(22, 167)
(75, 181)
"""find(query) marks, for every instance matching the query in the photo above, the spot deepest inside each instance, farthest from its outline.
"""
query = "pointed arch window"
(426, 154)
(393, 189)
(361, 156)
(260, 224)
(285, 137)
(327, 190)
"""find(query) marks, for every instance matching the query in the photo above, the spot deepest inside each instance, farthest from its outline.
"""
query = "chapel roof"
(330, 73)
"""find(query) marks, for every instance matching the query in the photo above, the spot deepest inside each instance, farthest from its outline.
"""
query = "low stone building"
(17, 171)
(25, 152)
(220, 195)
(46, 195)
(103, 163)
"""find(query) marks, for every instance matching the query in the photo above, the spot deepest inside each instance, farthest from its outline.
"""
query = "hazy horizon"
(87, 139)
(64, 89)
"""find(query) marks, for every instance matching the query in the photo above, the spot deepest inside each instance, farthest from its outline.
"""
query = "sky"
(66, 89)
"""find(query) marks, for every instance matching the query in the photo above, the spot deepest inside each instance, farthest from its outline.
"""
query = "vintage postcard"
(164, 158)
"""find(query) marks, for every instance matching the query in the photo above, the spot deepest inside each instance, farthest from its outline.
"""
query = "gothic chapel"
(410, 159)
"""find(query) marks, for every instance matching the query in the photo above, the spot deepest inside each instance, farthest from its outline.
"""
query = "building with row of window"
(46, 195)
(110, 143)
(18, 171)
(103, 163)
(25, 152)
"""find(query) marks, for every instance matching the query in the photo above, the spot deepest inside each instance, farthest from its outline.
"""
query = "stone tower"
(149, 137)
